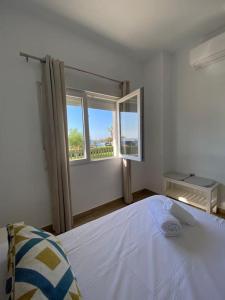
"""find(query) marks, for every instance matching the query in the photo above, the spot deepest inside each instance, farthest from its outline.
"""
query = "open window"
(130, 125)
(92, 126)
(102, 126)
(77, 125)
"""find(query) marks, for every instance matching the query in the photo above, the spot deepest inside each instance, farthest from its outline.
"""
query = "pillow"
(37, 266)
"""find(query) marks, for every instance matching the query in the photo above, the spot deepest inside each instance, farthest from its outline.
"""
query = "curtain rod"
(27, 56)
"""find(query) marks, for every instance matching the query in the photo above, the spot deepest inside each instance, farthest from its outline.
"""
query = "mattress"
(123, 256)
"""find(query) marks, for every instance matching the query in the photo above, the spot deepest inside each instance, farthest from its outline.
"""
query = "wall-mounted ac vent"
(209, 52)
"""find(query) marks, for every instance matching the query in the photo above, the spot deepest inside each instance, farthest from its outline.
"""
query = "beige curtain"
(126, 163)
(54, 125)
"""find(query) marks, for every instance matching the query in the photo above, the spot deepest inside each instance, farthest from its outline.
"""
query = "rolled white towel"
(182, 214)
(165, 221)
(175, 209)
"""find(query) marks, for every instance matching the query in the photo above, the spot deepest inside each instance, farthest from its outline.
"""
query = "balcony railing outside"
(76, 153)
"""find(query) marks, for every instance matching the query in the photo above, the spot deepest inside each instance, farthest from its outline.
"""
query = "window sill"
(86, 161)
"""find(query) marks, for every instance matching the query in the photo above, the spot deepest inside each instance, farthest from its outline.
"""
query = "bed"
(123, 256)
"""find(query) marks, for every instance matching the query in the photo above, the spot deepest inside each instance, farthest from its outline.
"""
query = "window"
(76, 137)
(92, 125)
(129, 127)
(102, 126)
(130, 119)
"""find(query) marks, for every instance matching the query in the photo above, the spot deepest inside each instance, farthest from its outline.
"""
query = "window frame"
(139, 93)
(76, 93)
(84, 96)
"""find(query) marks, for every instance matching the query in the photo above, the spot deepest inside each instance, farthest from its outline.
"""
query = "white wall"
(185, 121)
(23, 180)
(154, 122)
(158, 136)
(199, 118)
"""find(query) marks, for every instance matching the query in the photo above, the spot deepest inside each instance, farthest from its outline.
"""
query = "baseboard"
(95, 209)
(109, 205)
(48, 228)
(221, 205)
(221, 212)
(136, 195)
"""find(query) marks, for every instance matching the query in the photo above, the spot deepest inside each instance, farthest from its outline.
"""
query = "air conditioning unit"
(209, 52)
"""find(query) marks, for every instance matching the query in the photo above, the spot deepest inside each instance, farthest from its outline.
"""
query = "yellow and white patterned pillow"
(38, 266)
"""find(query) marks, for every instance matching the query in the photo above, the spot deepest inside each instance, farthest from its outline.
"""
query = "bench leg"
(209, 199)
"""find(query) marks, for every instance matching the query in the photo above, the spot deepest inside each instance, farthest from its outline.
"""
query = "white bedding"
(123, 256)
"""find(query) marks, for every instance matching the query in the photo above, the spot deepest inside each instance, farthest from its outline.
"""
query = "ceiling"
(139, 26)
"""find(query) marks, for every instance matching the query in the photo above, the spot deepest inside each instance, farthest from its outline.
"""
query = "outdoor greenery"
(100, 148)
(101, 152)
(75, 138)
(96, 152)
(76, 149)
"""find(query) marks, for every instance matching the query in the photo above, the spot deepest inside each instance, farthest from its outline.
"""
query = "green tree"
(75, 138)
(110, 138)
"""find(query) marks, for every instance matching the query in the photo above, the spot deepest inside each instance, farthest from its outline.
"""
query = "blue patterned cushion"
(38, 267)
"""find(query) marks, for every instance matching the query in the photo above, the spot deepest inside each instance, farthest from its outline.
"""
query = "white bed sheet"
(123, 256)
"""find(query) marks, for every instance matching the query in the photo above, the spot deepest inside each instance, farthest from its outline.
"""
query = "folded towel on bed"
(182, 214)
(176, 210)
(162, 202)
(165, 221)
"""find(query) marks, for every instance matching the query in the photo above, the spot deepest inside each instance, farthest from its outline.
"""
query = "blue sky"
(99, 121)
(129, 125)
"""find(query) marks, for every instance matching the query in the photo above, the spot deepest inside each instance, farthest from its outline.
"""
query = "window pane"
(101, 131)
(129, 127)
(75, 128)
